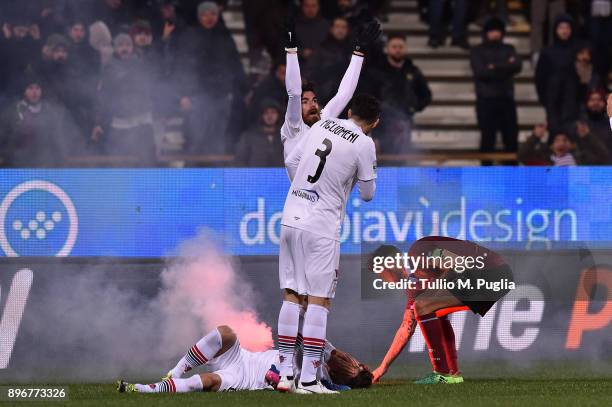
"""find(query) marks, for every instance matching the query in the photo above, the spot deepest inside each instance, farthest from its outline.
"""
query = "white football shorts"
(308, 263)
(241, 369)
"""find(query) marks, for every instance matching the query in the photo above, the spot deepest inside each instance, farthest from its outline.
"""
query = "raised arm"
(293, 79)
(346, 90)
(293, 83)
(366, 36)
(402, 336)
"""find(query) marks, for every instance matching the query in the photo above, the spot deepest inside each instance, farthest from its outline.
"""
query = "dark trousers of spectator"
(497, 115)
(543, 11)
(600, 32)
(207, 124)
(561, 102)
(459, 20)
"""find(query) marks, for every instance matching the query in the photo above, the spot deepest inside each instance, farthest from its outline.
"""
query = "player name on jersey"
(339, 130)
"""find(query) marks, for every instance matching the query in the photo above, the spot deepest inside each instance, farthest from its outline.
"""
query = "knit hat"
(207, 6)
(57, 40)
(29, 78)
(494, 24)
(141, 26)
(100, 36)
(122, 39)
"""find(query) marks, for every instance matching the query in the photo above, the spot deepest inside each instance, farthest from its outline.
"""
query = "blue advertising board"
(148, 213)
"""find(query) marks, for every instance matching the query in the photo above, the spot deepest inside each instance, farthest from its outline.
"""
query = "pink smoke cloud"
(201, 289)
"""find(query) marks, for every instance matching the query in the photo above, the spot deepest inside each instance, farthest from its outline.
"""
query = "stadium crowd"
(130, 79)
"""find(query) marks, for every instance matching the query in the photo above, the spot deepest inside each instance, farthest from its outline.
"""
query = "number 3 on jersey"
(322, 154)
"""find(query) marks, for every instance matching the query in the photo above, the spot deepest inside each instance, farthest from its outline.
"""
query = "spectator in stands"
(590, 150)
(166, 21)
(596, 117)
(599, 22)
(21, 47)
(328, 63)
(262, 18)
(101, 39)
(543, 14)
(81, 52)
(211, 80)
(54, 69)
(403, 90)
(125, 117)
(31, 129)
(459, 23)
(555, 76)
(260, 146)
(114, 13)
(535, 151)
(563, 149)
(142, 37)
(68, 83)
(310, 27)
(271, 88)
(495, 64)
(586, 76)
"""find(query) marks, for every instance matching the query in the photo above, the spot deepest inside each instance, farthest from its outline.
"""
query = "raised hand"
(291, 38)
(366, 36)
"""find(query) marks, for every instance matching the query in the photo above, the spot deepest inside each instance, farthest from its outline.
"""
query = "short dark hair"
(366, 108)
(396, 36)
(363, 379)
(308, 87)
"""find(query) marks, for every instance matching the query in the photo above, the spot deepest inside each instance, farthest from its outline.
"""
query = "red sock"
(433, 332)
(450, 348)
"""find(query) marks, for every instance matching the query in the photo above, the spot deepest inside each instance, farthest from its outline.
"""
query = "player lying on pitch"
(234, 368)
(430, 307)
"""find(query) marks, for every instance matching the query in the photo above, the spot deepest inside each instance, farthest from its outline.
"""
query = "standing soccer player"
(330, 159)
(430, 307)
(303, 108)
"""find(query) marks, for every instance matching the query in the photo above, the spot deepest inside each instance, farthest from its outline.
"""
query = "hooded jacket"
(494, 64)
(557, 61)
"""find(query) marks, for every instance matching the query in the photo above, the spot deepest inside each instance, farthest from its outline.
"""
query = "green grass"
(494, 392)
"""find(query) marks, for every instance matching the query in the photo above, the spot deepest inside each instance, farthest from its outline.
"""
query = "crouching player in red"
(429, 304)
(233, 368)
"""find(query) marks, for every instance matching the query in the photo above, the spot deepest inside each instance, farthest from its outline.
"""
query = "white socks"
(199, 354)
(288, 321)
(315, 326)
(194, 383)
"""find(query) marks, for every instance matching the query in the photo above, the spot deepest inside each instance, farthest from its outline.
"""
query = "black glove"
(366, 36)
(290, 37)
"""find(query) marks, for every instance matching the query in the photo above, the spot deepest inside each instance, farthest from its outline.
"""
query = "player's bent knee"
(228, 336)
(210, 381)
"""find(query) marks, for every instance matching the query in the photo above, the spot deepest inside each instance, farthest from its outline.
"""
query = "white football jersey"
(332, 156)
(291, 136)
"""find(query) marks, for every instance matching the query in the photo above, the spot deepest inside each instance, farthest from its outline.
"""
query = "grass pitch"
(484, 392)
